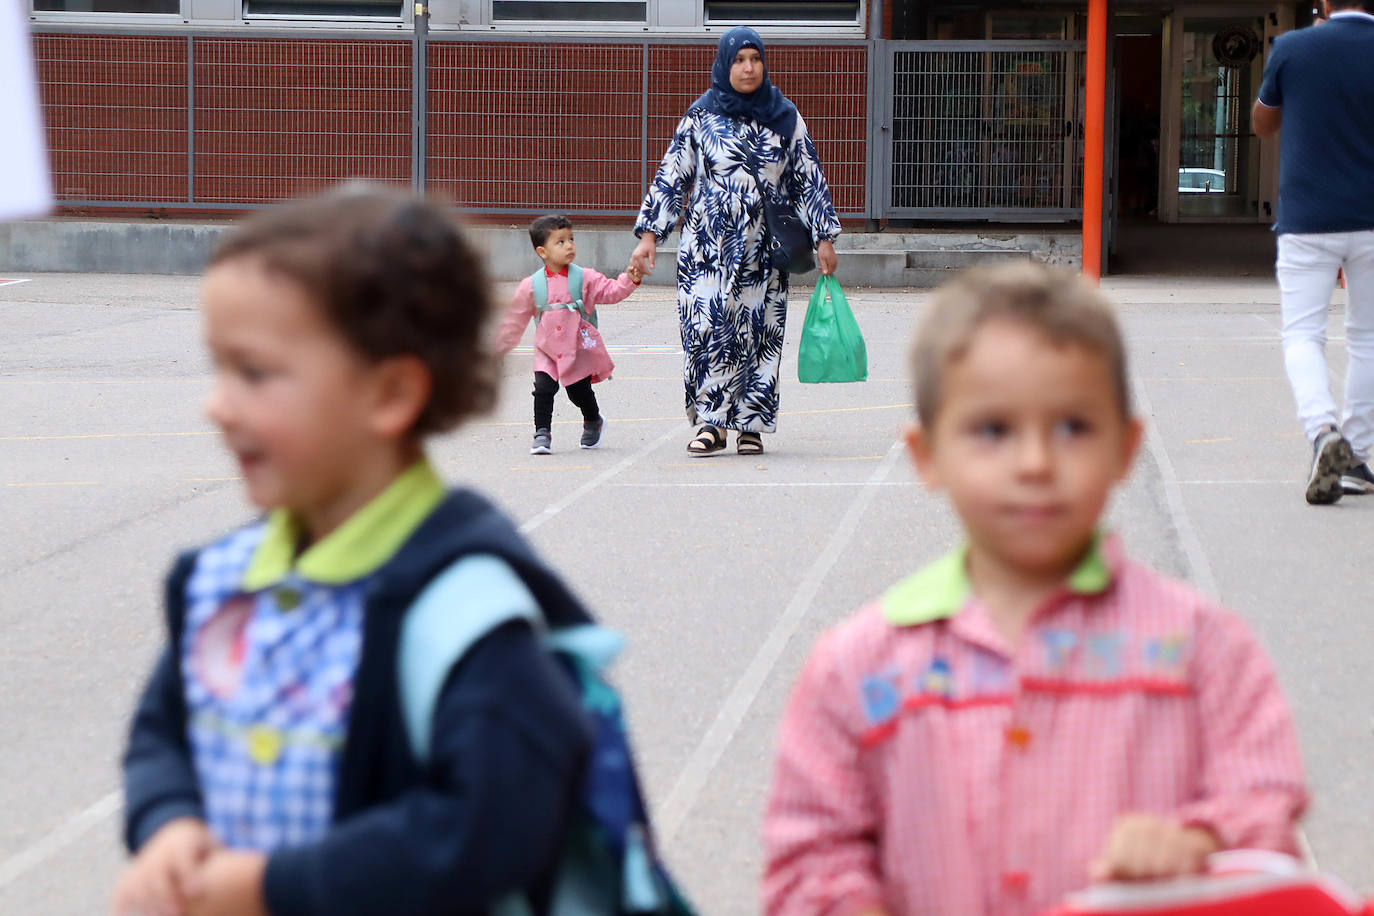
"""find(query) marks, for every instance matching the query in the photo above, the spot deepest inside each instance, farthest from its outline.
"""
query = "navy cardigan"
(483, 816)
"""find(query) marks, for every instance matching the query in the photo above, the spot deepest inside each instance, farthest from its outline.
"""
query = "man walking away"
(1319, 85)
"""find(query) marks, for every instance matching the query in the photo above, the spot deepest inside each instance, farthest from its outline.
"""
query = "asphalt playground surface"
(721, 572)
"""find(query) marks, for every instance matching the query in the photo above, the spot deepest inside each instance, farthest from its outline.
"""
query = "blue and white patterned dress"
(732, 303)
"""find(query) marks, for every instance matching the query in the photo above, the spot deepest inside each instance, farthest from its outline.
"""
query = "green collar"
(359, 546)
(939, 590)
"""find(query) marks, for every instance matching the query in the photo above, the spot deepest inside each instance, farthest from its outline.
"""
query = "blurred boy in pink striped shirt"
(1034, 711)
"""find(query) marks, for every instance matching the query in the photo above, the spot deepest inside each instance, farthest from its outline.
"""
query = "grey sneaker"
(591, 432)
(1358, 479)
(1331, 456)
(543, 442)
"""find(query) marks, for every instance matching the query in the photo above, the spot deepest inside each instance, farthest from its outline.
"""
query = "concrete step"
(879, 259)
(960, 258)
(886, 267)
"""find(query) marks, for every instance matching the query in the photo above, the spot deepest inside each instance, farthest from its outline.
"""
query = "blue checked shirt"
(269, 683)
(271, 646)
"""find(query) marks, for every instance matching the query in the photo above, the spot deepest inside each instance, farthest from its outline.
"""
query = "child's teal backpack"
(608, 865)
(541, 295)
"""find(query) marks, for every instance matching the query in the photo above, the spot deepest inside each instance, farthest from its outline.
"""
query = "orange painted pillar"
(1094, 146)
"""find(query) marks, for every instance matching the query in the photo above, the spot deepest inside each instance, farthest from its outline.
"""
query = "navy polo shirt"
(1323, 79)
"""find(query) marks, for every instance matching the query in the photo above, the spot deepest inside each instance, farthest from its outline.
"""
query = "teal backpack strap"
(575, 291)
(540, 284)
(468, 600)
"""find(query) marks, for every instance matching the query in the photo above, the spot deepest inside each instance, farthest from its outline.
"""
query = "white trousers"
(1307, 268)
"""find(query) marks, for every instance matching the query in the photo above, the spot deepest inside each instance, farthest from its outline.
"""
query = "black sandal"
(708, 441)
(749, 444)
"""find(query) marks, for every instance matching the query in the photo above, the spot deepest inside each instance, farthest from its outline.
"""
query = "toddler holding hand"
(562, 298)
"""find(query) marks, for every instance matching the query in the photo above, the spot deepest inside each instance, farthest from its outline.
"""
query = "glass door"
(1219, 64)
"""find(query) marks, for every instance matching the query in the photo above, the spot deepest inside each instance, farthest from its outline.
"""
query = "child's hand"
(231, 885)
(166, 872)
(636, 275)
(1147, 846)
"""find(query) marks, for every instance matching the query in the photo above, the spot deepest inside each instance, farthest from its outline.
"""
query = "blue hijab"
(766, 104)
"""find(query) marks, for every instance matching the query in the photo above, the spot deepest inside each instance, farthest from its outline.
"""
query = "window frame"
(663, 18)
(860, 20)
(650, 10)
(404, 18)
(107, 18)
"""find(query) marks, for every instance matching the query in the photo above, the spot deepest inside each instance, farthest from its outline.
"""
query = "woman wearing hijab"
(742, 138)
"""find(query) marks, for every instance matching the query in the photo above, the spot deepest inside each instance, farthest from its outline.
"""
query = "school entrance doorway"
(1223, 172)
(1180, 89)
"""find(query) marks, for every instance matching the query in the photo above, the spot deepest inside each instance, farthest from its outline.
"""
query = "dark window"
(333, 9)
(576, 11)
(749, 11)
(107, 6)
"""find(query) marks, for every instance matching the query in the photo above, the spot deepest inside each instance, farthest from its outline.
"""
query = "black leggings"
(580, 393)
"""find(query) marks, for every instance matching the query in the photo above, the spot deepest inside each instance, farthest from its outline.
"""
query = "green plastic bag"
(832, 349)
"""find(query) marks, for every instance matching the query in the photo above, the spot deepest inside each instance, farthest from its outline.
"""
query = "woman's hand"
(826, 258)
(643, 257)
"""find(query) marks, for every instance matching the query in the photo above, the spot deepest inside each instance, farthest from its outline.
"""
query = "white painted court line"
(1200, 570)
(8, 282)
(1199, 567)
(19, 864)
(696, 773)
(557, 507)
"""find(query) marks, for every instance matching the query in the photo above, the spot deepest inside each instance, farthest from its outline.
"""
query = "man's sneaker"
(543, 442)
(1358, 479)
(1331, 456)
(591, 432)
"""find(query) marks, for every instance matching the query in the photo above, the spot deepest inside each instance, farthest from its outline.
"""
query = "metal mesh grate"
(214, 121)
(538, 126)
(280, 118)
(116, 114)
(986, 129)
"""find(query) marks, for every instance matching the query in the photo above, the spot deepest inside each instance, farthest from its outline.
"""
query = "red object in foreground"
(1240, 883)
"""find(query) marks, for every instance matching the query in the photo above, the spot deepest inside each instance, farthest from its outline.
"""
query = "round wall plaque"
(1235, 46)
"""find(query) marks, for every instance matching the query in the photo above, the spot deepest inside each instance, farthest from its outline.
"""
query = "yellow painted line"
(785, 413)
(610, 420)
(104, 436)
(613, 421)
(106, 381)
(630, 350)
(553, 467)
(1213, 378)
(798, 413)
(1211, 441)
(57, 483)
